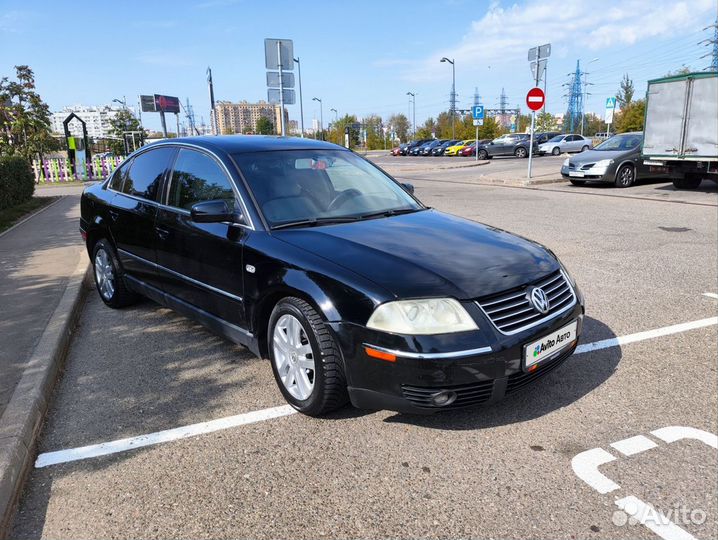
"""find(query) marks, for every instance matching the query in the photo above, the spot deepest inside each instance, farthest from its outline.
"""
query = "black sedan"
(313, 257)
(512, 144)
(439, 150)
(616, 161)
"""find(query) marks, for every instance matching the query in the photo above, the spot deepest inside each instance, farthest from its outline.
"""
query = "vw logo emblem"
(539, 300)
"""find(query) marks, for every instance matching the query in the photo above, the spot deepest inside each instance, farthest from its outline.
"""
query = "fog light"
(443, 398)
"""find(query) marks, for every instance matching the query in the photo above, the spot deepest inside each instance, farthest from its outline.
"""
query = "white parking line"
(711, 295)
(122, 445)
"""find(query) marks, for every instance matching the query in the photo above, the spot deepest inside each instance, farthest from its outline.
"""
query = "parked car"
(439, 150)
(418, 150)
(566, 143)
(511, 144)
(470, 150)
(616, 160)
(397, 150)
(411, 145)
(455, 149)
(309, 255)
(603, 135)
(427, 149)
(544, 136)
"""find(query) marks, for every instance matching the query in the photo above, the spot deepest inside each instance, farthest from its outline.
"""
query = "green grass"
(12, 215)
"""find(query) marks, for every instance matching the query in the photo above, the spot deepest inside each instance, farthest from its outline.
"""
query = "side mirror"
(214, 212)
(408, 187)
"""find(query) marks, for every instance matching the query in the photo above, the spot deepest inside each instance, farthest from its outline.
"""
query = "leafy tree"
(491, 129)
(684, 70)
(265, 126)
(120, 124)
(625, 93)
(545, 121)
(630, 117)
(593, 124)
(427, 130)
(374, 132)
(24, 116)
(336, 134)
(399, 124)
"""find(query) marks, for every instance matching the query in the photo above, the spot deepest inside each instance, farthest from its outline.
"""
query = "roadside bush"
(17, 181)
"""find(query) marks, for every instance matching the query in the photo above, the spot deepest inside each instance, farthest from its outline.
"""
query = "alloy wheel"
(104, 274)
(294, 357)
(625, 177)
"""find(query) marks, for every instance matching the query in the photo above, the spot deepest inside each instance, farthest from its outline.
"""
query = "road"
(644, 257)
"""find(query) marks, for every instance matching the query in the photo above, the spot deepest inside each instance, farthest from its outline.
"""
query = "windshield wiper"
(313, 222)
(393, 212)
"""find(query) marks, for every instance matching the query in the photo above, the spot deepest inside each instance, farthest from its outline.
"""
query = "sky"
(358, 57)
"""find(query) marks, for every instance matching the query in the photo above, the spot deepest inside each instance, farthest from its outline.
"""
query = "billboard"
(147, 103)
(168, 104)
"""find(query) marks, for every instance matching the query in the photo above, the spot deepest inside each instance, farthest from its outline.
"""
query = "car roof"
(237, 144)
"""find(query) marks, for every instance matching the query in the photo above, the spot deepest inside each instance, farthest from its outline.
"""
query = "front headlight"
(565, 163)
(603, 164)
(421, 317)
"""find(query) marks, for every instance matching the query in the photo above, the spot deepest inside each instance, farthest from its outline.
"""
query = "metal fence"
(61, 169)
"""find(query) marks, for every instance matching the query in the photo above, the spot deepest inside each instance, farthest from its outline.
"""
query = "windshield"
(620, 142)
(305, 185)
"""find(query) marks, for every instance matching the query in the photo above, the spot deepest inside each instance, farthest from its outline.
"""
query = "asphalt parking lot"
(540, 464)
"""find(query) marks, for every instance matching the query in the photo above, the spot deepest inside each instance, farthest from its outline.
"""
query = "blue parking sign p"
(477, 112)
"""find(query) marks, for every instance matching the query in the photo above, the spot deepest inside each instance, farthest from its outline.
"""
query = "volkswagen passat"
(313, 257)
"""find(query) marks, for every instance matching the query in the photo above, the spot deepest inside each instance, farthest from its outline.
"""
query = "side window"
(145, 173)
(196, 178)
(119, 176)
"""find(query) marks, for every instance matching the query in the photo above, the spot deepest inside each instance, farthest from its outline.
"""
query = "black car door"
(201, 263)
(133, 210)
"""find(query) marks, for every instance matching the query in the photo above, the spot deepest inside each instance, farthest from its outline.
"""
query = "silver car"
(570, 142)
(616, 160)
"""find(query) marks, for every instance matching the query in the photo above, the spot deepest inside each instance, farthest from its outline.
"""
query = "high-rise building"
(97, 120)
(242, 117)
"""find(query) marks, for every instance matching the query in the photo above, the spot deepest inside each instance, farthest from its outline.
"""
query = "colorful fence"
(61, 170)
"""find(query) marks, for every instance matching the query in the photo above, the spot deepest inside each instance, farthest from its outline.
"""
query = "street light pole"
(413, 107)
(336, 115)
(321, 116)
(453, 95)
(301, 103)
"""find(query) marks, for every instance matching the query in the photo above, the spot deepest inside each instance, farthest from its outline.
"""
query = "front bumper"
(602, 175)
(493, 371)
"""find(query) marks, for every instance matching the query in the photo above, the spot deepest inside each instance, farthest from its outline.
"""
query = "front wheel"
(305, 358)
(625, 176)
(521, 152)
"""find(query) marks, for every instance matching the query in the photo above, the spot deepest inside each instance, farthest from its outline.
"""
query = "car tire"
(625, 176)
(483, 154)
(521, 152)
(584, 148)
(109, 280)
(690, 181)
(556, 151)
(577, 182)
(306, 360)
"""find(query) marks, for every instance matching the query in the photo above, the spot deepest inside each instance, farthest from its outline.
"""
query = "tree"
(336, 133)
(427, 130)
(24, 116)
(545, 121)
(374, 132)
(399, 124)
(265, 126)
(491, 128)
(630, 117)
(120, 124)
(625, 92)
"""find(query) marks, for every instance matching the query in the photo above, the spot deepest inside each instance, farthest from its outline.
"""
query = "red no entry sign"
(535, 99)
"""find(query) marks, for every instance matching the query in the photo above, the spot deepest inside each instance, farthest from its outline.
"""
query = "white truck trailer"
(681, 127)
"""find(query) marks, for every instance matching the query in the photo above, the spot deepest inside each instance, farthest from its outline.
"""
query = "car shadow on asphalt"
(578, 376)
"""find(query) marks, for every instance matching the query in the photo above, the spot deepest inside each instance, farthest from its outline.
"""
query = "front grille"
(521, 379)
(512, 312)
(466, 394)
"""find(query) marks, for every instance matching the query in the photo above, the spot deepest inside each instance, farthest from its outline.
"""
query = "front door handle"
(114, 214)
(162, 232)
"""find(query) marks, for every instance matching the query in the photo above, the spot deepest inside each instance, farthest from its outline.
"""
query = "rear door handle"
(162, 232)
(114, 214)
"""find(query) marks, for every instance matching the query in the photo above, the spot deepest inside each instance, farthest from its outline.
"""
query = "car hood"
(428, 253)
(592, 156)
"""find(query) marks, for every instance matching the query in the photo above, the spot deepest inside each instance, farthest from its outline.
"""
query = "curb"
(22, 419)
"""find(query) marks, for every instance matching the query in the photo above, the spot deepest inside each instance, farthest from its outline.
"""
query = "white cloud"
(505, 33)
